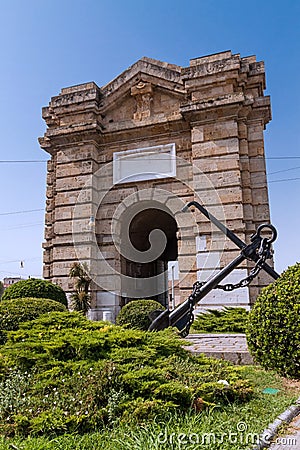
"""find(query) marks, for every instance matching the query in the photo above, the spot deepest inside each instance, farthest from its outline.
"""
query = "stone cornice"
(213, 85)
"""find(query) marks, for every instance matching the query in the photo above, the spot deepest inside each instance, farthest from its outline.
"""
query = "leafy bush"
(273, 331)
(136, 313)
(37, 289)
(81, 376)
(232, 320)
(13, 312)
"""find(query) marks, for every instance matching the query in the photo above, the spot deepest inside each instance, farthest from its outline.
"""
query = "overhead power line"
(21, 275)
(8, 213)
(23, 161)
(283, 170)
(20, 212)
(35, 258)
(284, 179)
(282, 157)
(258, 176)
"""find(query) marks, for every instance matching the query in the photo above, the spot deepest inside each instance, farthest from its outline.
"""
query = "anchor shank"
(179, 312)
(238, 242)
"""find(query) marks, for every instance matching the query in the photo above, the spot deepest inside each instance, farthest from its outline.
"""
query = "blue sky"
(49, 44)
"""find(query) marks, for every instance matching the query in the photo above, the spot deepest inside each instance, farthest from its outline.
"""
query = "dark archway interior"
(143, 222)
(148, 220)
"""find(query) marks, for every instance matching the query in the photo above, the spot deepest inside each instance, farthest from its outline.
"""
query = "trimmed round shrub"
(273, 330)
(136, 313)
(13, 312)
(35, 288)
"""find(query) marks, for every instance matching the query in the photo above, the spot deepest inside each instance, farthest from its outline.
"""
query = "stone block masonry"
(194, 133)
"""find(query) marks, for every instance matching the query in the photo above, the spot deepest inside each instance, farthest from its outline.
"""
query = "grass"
(188, 430)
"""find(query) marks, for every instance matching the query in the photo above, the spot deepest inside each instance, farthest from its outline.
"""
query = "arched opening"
(148, 242)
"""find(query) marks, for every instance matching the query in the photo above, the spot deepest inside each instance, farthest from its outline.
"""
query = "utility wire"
(4, 161)
(256, 176)
(284, 179)
(21, 275)
(221, 156)
(24, 260)
(281, 157)
(283, 170)
(20, 212)
(253, 176)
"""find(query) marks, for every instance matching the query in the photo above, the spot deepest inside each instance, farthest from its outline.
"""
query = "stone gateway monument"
(128, 156)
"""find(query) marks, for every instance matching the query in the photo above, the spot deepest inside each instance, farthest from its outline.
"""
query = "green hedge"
(227, 320)
(273, 331)
(13, 312)
(35, 288)
(136, 313)
(62, 373)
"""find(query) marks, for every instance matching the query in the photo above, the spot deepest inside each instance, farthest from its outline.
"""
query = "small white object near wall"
(107, 316)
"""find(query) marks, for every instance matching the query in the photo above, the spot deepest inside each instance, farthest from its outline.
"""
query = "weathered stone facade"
(205, 124)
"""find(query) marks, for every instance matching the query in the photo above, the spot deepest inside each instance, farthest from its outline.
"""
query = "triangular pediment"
(169, 74)
(147, 88)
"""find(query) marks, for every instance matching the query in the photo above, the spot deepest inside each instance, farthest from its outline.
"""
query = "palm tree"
(80, 299)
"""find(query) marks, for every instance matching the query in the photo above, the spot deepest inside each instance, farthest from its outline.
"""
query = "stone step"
(230, 347)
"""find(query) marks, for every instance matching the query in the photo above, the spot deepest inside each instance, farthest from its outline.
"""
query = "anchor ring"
(269, 227)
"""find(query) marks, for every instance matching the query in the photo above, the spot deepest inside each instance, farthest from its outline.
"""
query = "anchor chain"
(264, 253)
